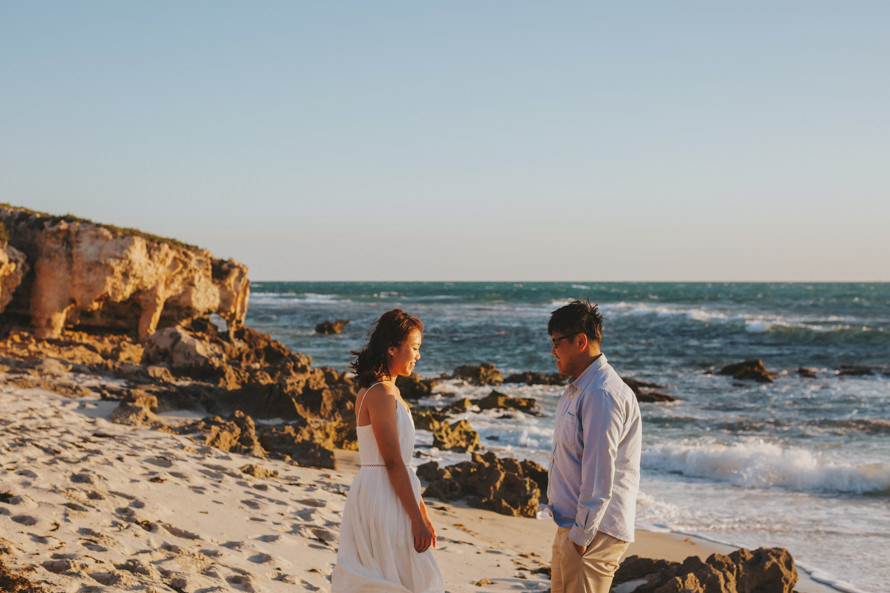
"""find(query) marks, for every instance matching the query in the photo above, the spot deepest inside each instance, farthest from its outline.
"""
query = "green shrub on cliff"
(51, 219)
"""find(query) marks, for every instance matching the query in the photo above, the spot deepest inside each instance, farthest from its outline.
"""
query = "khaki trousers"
(591, 573)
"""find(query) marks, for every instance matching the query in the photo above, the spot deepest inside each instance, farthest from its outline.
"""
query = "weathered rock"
(428, 418)
(300, 444)
(460, 406)
(483, 374)
(458, 436)
(258, 471)
(655, 397)
(855, 370)
(138, 409)
(72, 348)
(12, 271)
(637, 386)
(177, 348)
(644, 391)
(506, 486)
(748, 370)
(533, 378)
(51, 366)
(765, 570)
(413, 387)
(806, 373)
(301, 396)
(119, 279)
(327, 328)
(500, 401)
(237, 433)
(15, 581)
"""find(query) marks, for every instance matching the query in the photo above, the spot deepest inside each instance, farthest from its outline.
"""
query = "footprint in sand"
(22, 500)
(159, 461)
(180, 532)
(307, 515)
(260, 558)
(213, 475)
(84, 477)
(76, 507)
(25, 519)
(254, 504)
(63, 566)
(243, 582)
(233, 545)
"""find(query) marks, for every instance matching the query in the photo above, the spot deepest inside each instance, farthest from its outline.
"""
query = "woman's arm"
(381, 402)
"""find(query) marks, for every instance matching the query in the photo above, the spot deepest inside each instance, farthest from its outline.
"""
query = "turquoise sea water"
(802, 463)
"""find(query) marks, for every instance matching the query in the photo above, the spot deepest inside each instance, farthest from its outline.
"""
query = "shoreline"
(84, 500)
(664, 545)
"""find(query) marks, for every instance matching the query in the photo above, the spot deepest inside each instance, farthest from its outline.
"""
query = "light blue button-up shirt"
(595, 468)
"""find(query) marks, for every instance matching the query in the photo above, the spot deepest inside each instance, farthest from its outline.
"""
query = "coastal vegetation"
(46, 219)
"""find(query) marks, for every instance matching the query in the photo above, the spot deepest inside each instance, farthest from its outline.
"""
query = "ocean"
(802, 462)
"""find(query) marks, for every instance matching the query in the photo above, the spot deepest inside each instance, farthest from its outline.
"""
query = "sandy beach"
(89, 505)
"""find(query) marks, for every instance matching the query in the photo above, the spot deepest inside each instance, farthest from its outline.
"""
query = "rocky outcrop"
(95, 276)
(327, 328)
(15, 581)
(645, 392)
(749, 370)
(428, 418)
(201, 368)
(765, 570)
(533, 378)
(12, 271)
(413, 387)
(506, 486)
(457, 436)
(499, 401)
(855, 370)
(483, 374)
(806, 373)
(459, 406)
(300, 445)
(138, 409)
(237, 434)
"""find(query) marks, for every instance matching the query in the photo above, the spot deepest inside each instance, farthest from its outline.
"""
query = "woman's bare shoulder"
(381, 392)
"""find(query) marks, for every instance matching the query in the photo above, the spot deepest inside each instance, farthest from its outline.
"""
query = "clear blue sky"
(501, 140)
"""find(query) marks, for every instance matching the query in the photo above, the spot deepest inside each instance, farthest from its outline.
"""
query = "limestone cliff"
(95, 276)
(12, 270)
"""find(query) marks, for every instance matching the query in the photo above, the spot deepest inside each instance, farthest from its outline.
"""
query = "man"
(595, 469)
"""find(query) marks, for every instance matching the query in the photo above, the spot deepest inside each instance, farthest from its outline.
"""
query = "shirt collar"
(586, 377)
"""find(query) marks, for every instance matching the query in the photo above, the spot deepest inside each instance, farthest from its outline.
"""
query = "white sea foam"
(758, 464)
(755, 323)
(277, 299)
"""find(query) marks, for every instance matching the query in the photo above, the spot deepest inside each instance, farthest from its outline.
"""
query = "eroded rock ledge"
(68, 272)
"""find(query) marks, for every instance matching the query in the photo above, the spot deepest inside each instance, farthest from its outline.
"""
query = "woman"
(386, 532)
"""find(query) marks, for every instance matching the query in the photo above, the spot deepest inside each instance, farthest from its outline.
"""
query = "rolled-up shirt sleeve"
(601, 422)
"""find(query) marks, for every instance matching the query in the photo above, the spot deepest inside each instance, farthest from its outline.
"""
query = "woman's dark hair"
(578, 317)
(391, 329)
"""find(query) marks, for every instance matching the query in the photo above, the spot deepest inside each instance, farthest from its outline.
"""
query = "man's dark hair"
(578, 317)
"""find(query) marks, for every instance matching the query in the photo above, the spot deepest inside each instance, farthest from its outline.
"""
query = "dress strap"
(359, 411)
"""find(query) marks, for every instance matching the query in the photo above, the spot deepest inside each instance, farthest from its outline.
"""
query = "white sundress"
(376, 553)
